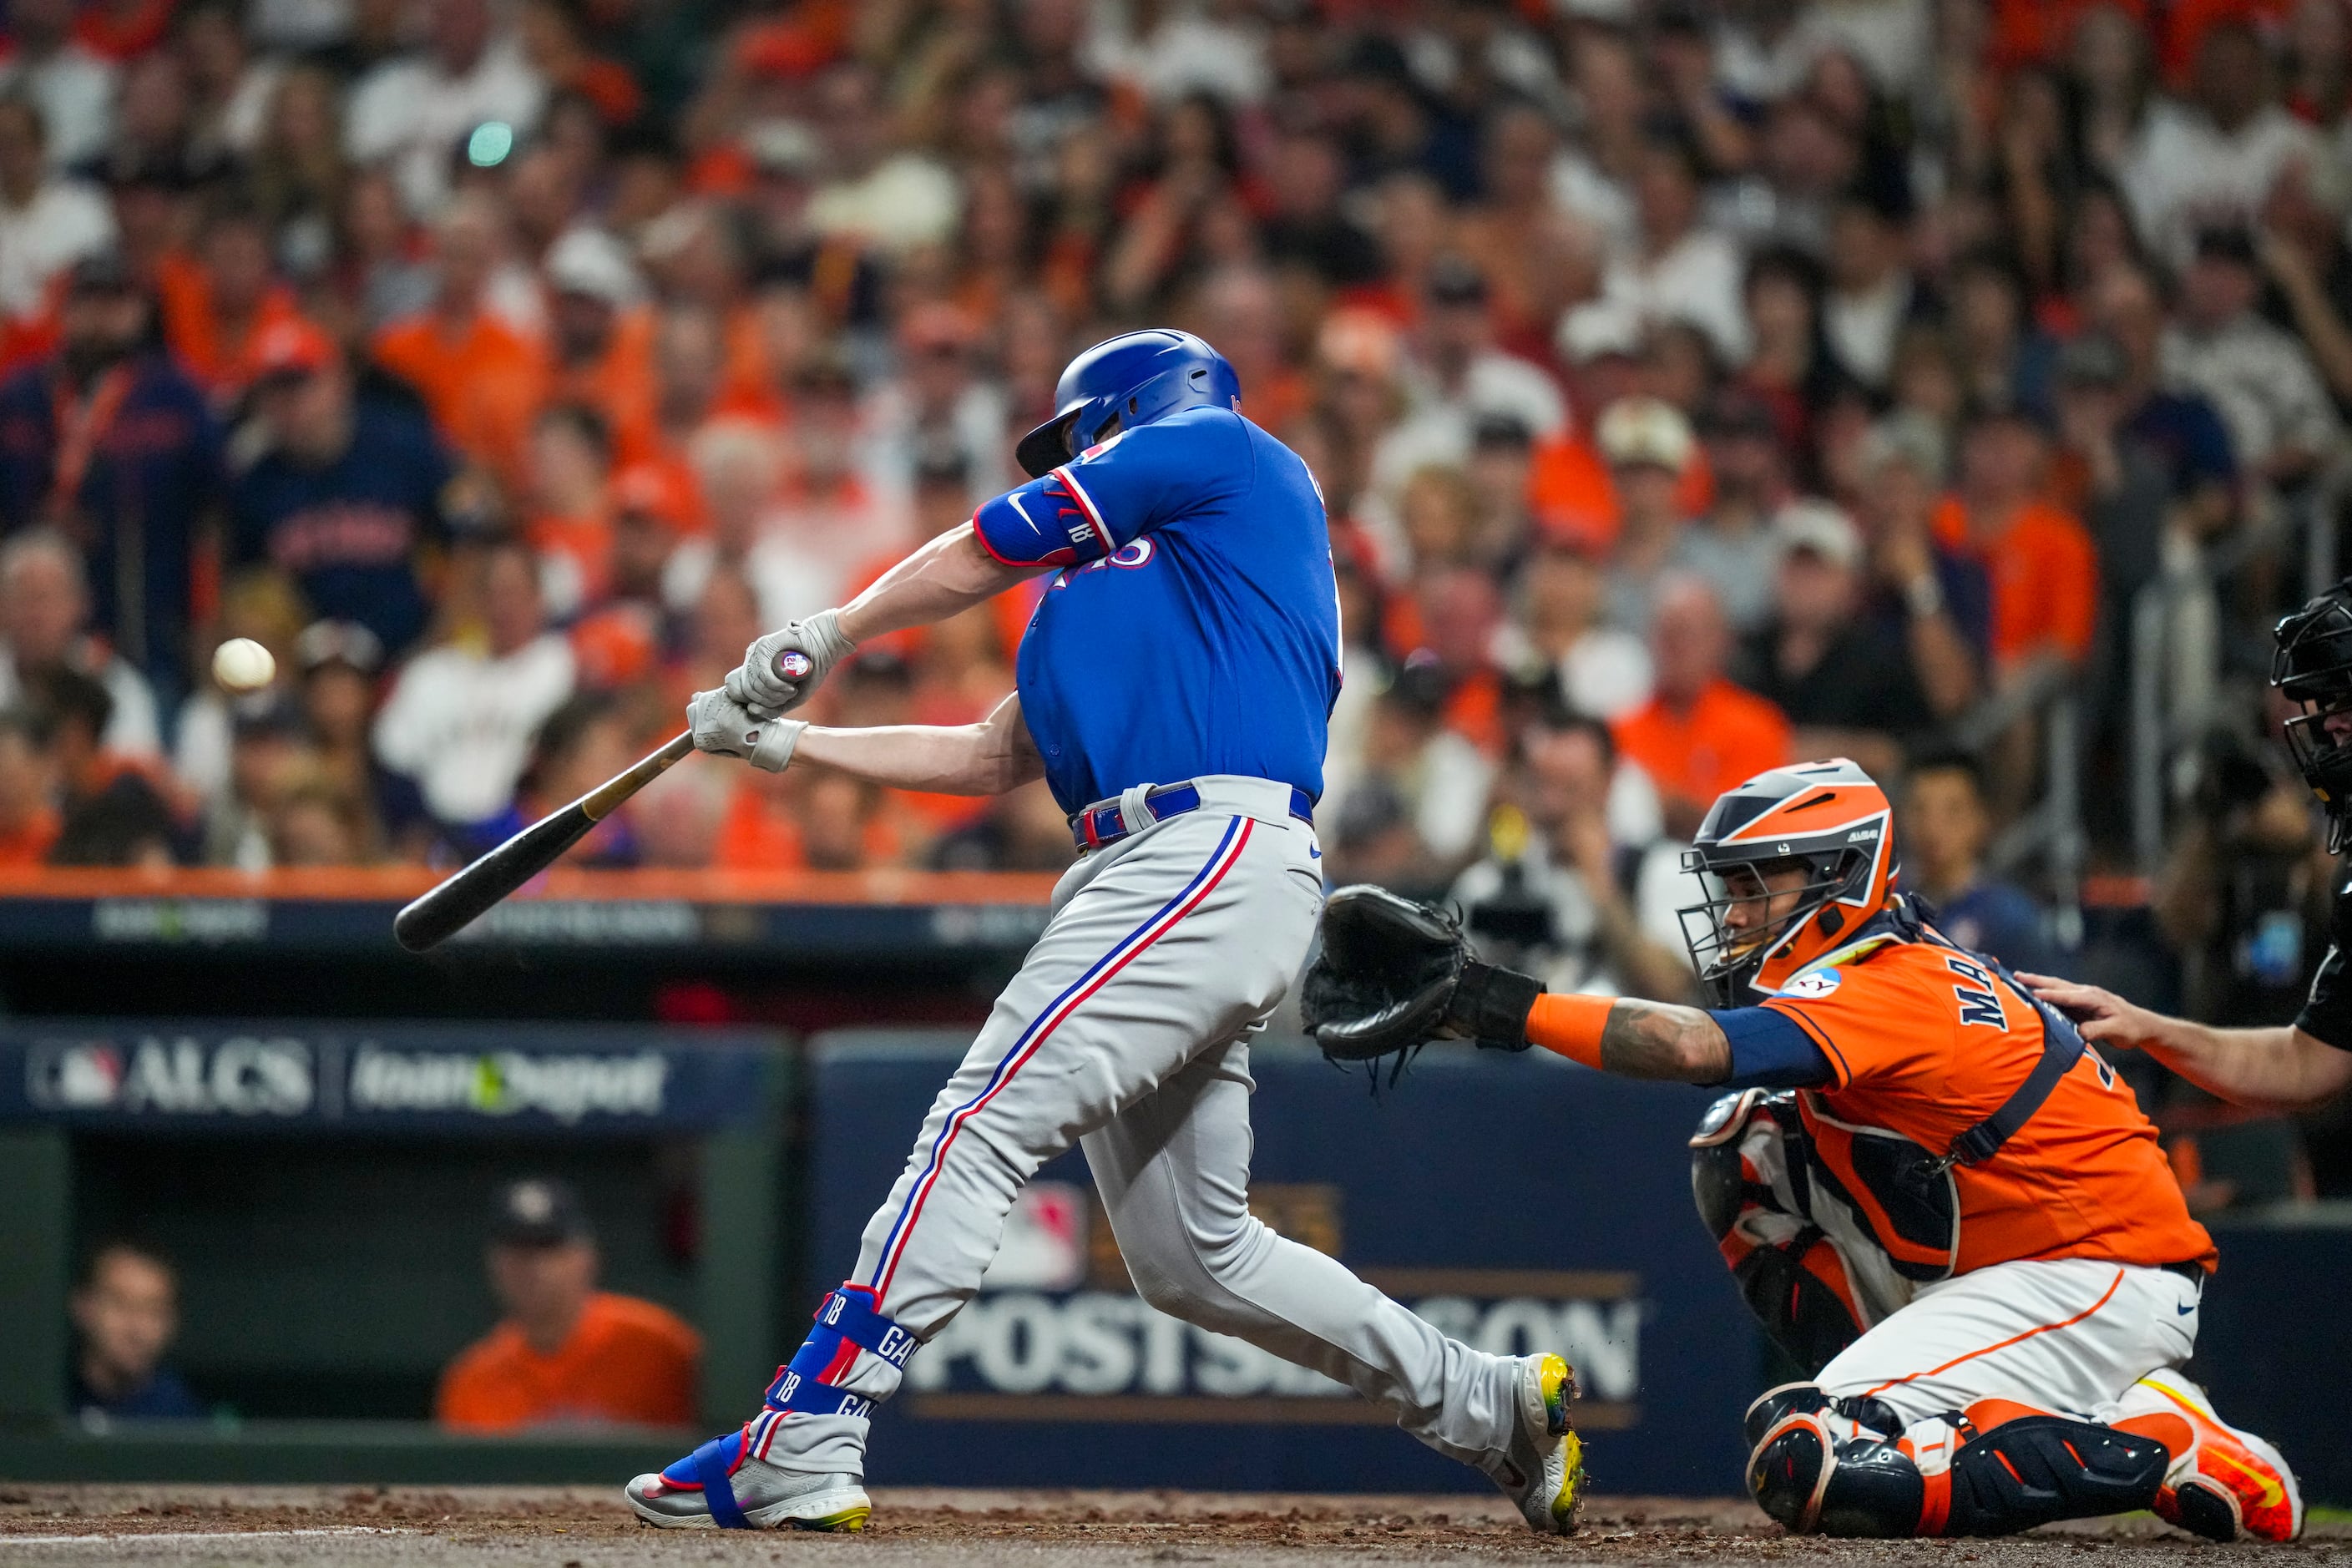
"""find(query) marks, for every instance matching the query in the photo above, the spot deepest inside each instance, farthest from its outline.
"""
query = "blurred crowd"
(1693, 384)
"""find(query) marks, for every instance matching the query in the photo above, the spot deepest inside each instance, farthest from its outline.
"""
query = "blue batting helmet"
(1135, 378)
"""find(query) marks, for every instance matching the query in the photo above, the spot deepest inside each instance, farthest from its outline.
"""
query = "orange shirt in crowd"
(2045, 573)
(627, 1360)
(761, 831)
(619, 385)
(1924, 1043)
(1724, 738)
(221, 363)
(27, 842)
(482, 380)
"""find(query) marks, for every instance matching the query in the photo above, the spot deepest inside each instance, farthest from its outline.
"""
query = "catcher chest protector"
(1862, 1213)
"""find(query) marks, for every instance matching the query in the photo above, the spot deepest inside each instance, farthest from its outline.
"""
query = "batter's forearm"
(1635, 1040)
(944, 578)
(987, 758)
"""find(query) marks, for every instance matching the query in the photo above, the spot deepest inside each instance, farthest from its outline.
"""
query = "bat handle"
(599, 803)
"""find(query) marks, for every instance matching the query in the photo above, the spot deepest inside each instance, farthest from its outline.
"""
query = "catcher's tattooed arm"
(1654, 1040)
(1637, 1039)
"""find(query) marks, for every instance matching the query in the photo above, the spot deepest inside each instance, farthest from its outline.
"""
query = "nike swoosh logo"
(1313, 853)
(2185, 1311)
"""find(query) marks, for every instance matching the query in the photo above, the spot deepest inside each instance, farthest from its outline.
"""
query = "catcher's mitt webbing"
(1385, 976)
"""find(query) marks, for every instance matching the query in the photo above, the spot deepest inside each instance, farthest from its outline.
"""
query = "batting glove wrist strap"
(1491, 1005)
(724, 726)
(780, 669)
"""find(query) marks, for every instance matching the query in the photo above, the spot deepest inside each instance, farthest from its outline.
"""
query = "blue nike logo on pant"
(2184, 1312)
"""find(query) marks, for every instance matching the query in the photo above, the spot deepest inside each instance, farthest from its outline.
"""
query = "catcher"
(1929, 1189)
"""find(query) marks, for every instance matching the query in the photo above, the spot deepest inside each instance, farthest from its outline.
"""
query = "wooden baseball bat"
(461, 898)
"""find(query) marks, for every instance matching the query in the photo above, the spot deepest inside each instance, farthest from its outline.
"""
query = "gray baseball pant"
(1127, 1031)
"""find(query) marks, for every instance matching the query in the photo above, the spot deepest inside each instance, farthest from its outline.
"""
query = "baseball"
(242, 664)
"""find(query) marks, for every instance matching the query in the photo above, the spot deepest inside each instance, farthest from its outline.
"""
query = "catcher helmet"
(2313, 667)
(1135, 378)
(1832, 820)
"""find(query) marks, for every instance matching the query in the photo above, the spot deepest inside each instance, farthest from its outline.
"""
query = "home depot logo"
(1057, 1334)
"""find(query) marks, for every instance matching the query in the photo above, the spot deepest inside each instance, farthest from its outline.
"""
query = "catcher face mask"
(1742, 923)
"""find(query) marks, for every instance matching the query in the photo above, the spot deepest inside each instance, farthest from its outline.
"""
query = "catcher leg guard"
(2221, 1483)
(1993, 1470)
(729, 1482)
(1747, 1179)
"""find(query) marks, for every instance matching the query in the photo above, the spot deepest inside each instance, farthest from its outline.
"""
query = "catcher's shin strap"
(1108, 821)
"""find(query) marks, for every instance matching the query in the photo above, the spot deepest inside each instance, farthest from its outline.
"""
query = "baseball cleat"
(718, 1487)
(1543, 1468)
(2229, 1483)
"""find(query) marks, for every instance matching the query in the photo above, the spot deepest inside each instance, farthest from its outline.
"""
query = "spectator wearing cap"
(2042, 566)
(414, 113)
(109, 443)
(564, 1353)
(338, 666)
(938, 399)
(1455, 376)
(1560, 896)
(1731, 544)
(2261, 381)
(1846, 687)
(2179, 425)
(44, 625)
(1699, 734)
(600, 337)
(1935, 599)
(51, 70)
(482, 380)
(1648, 446)
(461, 718)
(1678, 269)
(1945, 826)
(346, 497)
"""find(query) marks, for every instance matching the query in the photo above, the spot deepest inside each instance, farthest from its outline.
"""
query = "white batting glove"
(725, 727)
(780, 670)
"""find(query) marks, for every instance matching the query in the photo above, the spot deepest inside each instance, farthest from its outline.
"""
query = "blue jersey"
(1194, 625)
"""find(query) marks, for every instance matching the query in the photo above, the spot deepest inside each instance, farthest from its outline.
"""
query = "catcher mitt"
(1394, 975)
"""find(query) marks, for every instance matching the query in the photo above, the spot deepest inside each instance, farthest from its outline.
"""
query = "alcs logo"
(241, 1076)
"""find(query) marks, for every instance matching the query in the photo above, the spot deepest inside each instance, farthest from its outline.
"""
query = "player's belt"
(1106, 822)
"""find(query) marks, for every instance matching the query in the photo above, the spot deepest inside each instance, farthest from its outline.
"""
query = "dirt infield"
(184, 1527)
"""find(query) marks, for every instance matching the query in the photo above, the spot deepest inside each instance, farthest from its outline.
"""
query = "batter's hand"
(780, 669)
(725, 728)
(2104, 1017)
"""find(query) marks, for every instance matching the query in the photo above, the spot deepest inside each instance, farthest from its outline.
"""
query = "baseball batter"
(1173, 690)
(1933, 1196)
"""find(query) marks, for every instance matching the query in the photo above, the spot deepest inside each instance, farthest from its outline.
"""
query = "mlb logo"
(1045, 1240)
(81, 1077)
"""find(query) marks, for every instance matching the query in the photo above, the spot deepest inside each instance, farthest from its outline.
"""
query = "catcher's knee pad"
(1838, 1467)
(1747, 1179)
(1831, 1465)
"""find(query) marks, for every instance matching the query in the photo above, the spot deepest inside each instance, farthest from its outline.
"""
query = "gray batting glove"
(780, 669)
(725, 728)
